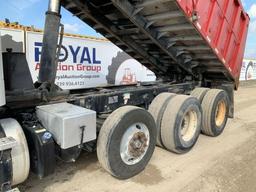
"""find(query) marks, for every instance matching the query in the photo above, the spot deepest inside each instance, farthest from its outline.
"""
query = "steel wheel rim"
(220, 113)
(134, 143)
(189, 125)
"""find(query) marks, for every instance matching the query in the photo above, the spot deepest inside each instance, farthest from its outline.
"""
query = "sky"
(32, 12)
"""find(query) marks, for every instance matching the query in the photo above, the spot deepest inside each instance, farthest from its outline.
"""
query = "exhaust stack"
(48, 64)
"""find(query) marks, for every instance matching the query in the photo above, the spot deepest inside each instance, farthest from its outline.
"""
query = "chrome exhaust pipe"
(54, 6)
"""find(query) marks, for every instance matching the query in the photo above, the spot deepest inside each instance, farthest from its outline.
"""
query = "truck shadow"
(86, 164)
(64, 172)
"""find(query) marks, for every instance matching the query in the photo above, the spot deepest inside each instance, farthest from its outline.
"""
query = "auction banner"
(86, 62)
(248, 71)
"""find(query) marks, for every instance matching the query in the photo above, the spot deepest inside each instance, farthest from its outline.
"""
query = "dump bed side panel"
(173, 38)
(224, 24)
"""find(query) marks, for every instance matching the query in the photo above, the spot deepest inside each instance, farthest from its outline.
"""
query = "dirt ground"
(226, 163)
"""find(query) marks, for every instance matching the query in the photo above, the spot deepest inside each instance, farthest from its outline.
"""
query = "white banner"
(2, 89)
(85, 63)
(248, 71)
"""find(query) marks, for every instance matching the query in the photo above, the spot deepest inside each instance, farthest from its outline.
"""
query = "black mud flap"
(41, 148)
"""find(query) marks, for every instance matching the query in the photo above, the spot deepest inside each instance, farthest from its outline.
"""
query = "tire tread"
(157, 108)
(207, 105)
(199, 93)
(105, 133)
(169, 117)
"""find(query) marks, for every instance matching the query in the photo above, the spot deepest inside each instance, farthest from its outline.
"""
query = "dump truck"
(194, 47)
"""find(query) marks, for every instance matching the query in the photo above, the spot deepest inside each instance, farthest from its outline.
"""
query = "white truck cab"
(2, 89)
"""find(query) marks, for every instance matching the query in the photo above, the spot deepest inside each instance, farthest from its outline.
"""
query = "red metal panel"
(224, 26)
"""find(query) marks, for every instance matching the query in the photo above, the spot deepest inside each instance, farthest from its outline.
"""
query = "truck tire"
(199, 93)
(181, 124)
(126, 141)
(215, 112)
(157, 108)
(20, 153)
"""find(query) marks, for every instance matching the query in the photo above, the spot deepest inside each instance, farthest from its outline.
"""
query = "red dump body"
(171, 37)
(224, 24)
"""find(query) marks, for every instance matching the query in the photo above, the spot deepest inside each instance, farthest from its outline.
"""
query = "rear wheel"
(157, 108)
(181, 124)
(199, 93)
(215, 112)
(126, 141)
